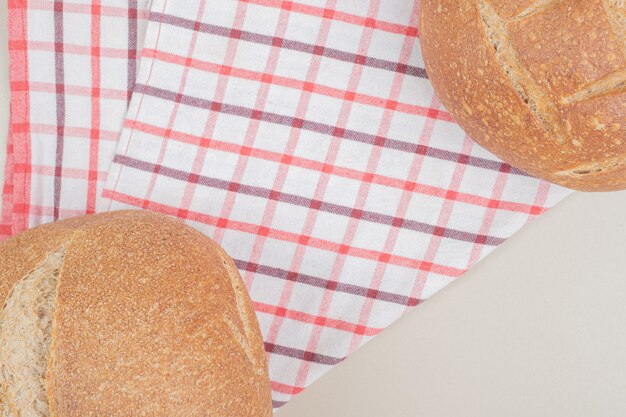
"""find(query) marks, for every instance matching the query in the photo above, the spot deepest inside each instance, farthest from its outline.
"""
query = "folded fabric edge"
(15, 193)
(6, 217)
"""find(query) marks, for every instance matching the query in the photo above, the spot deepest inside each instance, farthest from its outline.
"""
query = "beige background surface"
(537, 329)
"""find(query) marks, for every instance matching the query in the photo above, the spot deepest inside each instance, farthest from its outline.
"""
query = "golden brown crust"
(509, 9)
(541, 83)
(22, 253)
(148, 322)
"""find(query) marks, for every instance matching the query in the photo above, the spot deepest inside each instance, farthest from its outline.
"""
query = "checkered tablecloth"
(303, 136)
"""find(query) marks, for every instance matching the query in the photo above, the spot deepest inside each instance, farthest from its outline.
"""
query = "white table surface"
(537, 329)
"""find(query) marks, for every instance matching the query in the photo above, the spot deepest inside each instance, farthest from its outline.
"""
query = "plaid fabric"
(18, 115)
(72, 71)
(306, 139)
(302, 136)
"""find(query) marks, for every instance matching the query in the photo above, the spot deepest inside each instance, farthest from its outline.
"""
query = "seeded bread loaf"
(540, 83)
(126, 314)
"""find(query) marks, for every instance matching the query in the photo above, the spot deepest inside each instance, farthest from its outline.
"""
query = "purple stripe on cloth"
(301, 354)
(325, 129)
(324, 283)
(278, 404)
(288, 44)
(60, 103)
(296, 200)
(132, 46)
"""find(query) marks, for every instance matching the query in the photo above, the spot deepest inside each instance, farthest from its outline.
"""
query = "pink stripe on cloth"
(6, 216)
(401, 184)
(310, 221)
(295, 84)
(253, 123)
(331, 13)
(362, 193)
(19, 132)
(307, 140)
(174, 112)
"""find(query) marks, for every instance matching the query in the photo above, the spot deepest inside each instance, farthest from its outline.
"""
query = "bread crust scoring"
(540, 83)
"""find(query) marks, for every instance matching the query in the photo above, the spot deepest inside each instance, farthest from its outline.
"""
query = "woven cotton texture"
(73, 67)
(304, 137)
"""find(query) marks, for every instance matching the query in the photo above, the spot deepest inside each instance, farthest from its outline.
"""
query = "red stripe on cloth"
(94, 151)
(294, 135)
(132, 42)
(327, 129)
(337, 268)
(82, 8)
(405, 198)
(327, 52)
(444, 215)
(490, 213)
(20, 113)
(174, 112)
(71, 48)
(242, 161)
(75, 90)
(316, 320)
(333, 14)
(362, 193)
(5, 231)
(317, 166)
(66, 172)
(7, 192)
(540, 200)
(16, 4)
(285, 389)
(47, 212)
(287, 236)
(212, 119)
(296, 84)
(73, 131)
(132, 15)
(398, 222)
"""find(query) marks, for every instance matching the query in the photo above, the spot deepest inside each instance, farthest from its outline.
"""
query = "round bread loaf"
(126, 314)
(540, 83)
